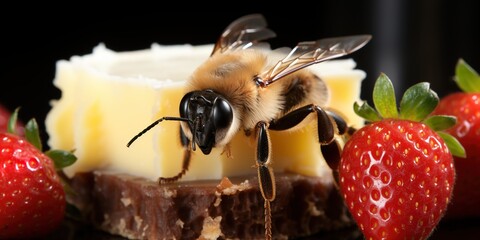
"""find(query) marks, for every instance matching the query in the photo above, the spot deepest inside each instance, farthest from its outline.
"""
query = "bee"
(238, 89)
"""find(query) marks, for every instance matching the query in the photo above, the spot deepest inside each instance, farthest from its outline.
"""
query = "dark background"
(412, 41)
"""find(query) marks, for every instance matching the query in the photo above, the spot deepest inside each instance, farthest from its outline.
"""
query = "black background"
(412, 41)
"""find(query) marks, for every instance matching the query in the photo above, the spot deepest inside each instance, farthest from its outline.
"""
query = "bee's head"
(210, 118)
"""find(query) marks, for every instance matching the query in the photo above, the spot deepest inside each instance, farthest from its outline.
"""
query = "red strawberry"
(32, 199)
(466, 107)
(396, 173)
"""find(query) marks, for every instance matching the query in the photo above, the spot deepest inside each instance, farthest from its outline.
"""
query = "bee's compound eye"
(222, 113)
(184, 104)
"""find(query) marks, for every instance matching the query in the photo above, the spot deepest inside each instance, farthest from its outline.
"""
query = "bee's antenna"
(154, 124)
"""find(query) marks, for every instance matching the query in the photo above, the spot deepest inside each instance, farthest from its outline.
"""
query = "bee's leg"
(332, 151)
(265, 173)
(342, 126)
(328, 124)
(186, 160)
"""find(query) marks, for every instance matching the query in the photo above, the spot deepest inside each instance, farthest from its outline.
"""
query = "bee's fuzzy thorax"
(232, 75)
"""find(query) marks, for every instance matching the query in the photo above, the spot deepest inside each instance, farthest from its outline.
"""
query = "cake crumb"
(169, 193)
(218, 199)
(138, 221)
(234, 188)
(144, 230)
(179, 223)
(121, 225)
(126, 201)
(313, 210)
(211, 228)
(224, 184)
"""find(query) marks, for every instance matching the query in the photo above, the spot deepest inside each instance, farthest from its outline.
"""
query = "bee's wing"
(308, 53)
(243, 33)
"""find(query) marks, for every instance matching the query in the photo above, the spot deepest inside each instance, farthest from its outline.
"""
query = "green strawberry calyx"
(466, 77)
(60, 158)
(417, 104)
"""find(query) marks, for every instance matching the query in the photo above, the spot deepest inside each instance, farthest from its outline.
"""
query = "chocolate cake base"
(138, 208)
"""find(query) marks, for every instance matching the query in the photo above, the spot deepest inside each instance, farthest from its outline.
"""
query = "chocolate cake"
(123, 92)
(233, 208)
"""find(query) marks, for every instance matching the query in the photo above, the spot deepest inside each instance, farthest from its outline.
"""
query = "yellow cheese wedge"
(108, 97)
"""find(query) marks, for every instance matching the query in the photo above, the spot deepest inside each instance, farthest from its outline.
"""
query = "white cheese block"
(108, 97)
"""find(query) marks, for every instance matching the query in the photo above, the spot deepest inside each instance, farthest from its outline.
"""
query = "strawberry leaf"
(12, 122)
(61, 158)
(453, 145)
(466, 77)
(418, 102)
(384, 97)
(440, 122)
(32, 135)
(366, 111)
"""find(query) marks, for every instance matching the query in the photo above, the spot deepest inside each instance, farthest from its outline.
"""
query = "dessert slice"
(107, 97)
